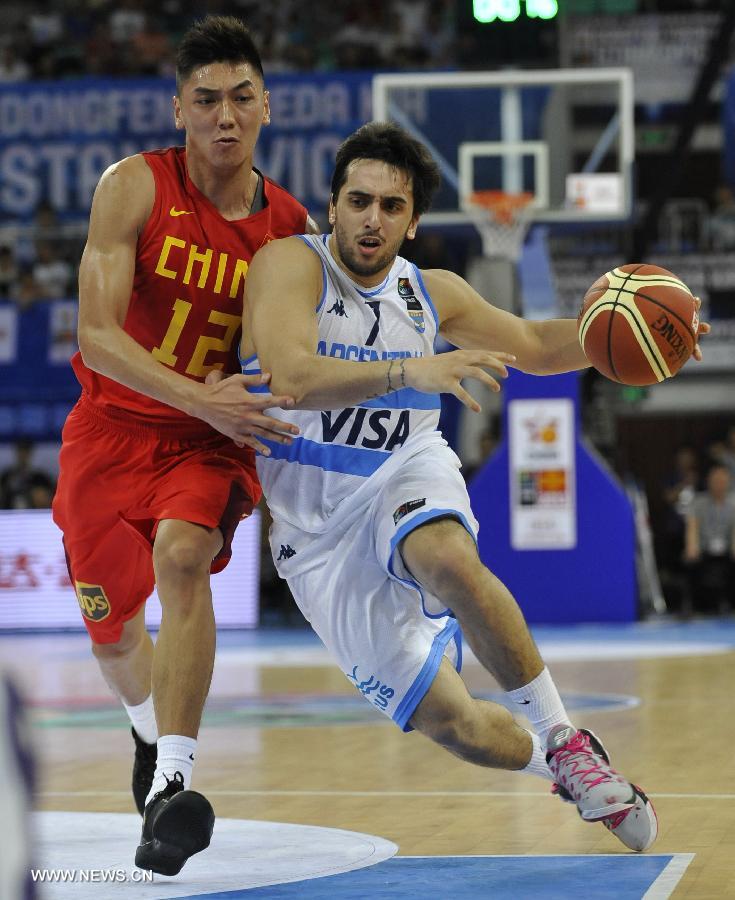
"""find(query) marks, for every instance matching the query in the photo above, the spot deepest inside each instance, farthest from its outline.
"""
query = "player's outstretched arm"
(468, 320)
(121, 206)
(283, 291)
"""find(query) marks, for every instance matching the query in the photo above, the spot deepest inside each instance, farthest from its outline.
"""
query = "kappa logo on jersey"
(287, 551)
(405, 508)
(179, 212)
(338, 308)
(413, 305)
(379, 429)
(92, 601)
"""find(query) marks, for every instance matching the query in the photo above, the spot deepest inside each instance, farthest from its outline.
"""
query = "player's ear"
(266, 107)
(178, 121)
(332, 212)
(411, 233)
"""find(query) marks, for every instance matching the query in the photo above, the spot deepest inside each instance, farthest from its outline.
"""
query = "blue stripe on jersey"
(329, 457)
(405, 398)
(303, 237)
(428, 297)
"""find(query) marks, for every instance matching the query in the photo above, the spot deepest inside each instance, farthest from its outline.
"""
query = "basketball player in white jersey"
(372, 526)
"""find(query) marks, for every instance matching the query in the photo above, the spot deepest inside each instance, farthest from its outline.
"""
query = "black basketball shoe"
(176, 825)
(144, 768)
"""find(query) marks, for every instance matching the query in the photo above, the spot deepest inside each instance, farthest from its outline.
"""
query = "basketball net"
(503, 219)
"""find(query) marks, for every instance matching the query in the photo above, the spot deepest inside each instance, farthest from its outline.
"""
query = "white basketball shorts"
(387, 634)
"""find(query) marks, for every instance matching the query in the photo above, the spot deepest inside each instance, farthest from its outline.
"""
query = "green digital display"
(487, 11)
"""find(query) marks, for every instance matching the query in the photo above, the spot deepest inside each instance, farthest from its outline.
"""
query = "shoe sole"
(183, 827)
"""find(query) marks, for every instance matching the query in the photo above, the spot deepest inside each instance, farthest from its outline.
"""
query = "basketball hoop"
(503, 219)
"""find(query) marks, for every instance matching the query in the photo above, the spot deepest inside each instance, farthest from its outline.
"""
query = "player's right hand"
(228, 406)
(443, 373)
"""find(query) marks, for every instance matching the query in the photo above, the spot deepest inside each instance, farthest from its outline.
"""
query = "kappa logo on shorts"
(93, 601)
(405, 508)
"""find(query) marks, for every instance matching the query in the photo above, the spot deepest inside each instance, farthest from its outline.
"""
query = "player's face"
(372, 217)
(222, 107)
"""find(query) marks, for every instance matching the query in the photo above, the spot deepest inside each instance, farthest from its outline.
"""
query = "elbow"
(289, 384)
(90, 346)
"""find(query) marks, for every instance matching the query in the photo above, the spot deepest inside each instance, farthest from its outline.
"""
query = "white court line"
(551, 650)
(663, 887)
(657, 795)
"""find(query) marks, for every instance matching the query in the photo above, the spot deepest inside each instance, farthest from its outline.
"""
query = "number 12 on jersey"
(196, 366)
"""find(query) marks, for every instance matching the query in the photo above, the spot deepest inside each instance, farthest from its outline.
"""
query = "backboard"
(564, 135)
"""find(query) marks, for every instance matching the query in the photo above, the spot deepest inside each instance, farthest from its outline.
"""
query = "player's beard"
(364, 268)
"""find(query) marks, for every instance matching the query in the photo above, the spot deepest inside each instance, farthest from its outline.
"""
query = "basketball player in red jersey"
(157, 467)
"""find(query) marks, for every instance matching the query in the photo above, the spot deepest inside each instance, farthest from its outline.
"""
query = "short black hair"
(215, 39)
(392, 144)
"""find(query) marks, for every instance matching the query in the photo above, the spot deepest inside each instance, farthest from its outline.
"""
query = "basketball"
(638, 324)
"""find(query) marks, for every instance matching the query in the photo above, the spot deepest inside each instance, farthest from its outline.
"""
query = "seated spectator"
(22, 486)
(25, 291)
(721, 224)
(487, 444)
(52, 274)
(12, 67)
(723, 452)
(679, 490)
(9, 272)
(709, 547)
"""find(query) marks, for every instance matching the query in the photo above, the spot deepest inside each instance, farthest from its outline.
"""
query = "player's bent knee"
(445, 567)
(119, 650)
(181, 557)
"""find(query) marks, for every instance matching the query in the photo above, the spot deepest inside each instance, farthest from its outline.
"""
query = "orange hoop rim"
(504, 206)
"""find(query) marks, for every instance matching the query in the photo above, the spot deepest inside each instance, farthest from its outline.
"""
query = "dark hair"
(389, 143)
(215, 39)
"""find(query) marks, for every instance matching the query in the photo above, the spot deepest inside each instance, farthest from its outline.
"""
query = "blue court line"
(615, 877)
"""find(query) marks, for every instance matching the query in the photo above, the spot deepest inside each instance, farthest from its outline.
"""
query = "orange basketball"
(638, 324)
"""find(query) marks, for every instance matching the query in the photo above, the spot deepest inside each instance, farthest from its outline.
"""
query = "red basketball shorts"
(117, 481)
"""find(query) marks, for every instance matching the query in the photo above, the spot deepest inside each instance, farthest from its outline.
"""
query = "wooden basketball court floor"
(287, 739)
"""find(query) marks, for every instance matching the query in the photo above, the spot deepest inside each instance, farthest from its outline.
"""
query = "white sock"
(537, 765)
(175, 754)
(540, 703)
(143, 720)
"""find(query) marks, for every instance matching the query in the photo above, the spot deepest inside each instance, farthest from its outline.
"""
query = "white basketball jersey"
(338, 450)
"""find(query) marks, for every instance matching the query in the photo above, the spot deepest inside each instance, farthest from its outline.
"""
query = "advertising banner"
(542, 474)
(35, 591)
(57, 138)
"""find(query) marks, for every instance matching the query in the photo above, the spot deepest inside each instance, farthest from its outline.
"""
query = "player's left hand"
(259, 424)
(702, 328)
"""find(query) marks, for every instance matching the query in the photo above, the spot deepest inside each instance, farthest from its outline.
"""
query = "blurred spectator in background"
(723, 452)
(151, 49)
(487, 444)
(53, 274)
(46, 220)
(22, 486)
(709, 547)
(9, 273)
(721, 223)
(132, 37)
(12, 67)
(25, 292)
(679, 491)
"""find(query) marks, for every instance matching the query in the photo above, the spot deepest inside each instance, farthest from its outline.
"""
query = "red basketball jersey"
(191, 263)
